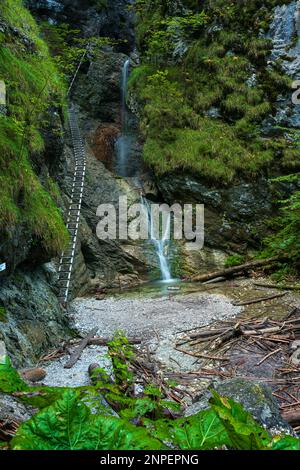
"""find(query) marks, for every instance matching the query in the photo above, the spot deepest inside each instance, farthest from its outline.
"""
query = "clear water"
(126, 166)
(125, 147)
(162, 244)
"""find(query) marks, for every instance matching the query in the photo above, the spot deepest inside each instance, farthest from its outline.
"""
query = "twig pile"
(256, 349)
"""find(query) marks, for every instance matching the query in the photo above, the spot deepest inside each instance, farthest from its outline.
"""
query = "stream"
(158, 313)
(126, 166)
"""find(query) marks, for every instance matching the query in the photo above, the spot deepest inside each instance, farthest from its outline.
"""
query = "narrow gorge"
(178, 121)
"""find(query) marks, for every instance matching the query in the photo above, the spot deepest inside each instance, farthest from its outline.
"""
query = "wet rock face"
(11, 410)
(33, 321)
(285, 35)
(256, 398)
(233, 216)
(98, 92)
(110, 18)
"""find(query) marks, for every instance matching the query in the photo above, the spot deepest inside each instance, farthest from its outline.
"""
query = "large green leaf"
(244, 432)
(69, 425)
(285, 443)
(40, 397)
(10, 381)
(202, 431)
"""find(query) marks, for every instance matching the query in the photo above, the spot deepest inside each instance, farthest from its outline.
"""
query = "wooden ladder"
(67, 257)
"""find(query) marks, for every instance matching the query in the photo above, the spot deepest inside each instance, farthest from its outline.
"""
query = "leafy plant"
(243, 431)
(212, 77)
(2, 314)
(10, 381)
(202, 431)
(76, 419)
(234, 260)
(118, 392)
(121, 352)
(70, 425)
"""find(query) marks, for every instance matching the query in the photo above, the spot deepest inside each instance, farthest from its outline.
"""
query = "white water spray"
(125, 141)
(124, 146)
(161, 244)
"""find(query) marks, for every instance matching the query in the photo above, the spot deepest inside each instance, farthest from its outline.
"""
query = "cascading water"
(125, 75)
(126, 166)
(161, 244)
(124, 148)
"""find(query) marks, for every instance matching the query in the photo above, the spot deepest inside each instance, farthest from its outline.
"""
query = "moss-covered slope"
(205, 87)
(33, 85)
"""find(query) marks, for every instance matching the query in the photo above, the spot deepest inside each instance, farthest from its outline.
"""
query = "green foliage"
(286, 240)
(243, 431)
(33, 84)
(68, 48)
(66, 422)
(120, 352)
(41, 397)
(285, 443)
(70, 425)
(118, 392)
(211, 151)
(2, 314)
(216, 72)
(234, 260)
(202, 431)
(10, 381)
(100, 5)
(64, 44)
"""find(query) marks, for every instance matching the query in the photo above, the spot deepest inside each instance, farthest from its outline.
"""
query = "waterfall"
(127, 166)
(125, 75)
(161, 244)
(125, 141)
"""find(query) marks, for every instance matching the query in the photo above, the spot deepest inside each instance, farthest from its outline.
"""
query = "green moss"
(215, 72)
(33, 84)
(212, 151)
(3, 318)
(234, 260)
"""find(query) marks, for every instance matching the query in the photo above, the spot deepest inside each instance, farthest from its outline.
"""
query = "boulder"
(34, 375)
(34, 321)
(13, 410)
(3, 353)
(255, 397)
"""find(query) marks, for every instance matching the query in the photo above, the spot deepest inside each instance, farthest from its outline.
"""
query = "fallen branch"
(292, 417)
(77, 353)
(272, 353)
(261, 299)
(276, 286)
(234, 270)
(293, 312)
(263, 331)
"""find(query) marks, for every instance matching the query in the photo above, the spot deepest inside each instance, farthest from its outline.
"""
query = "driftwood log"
(261, 299)
(78, 351)
(276, 286)
(292, 417)
(234, 270)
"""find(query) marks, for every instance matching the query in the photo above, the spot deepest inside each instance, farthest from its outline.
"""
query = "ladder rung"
(67, 258)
